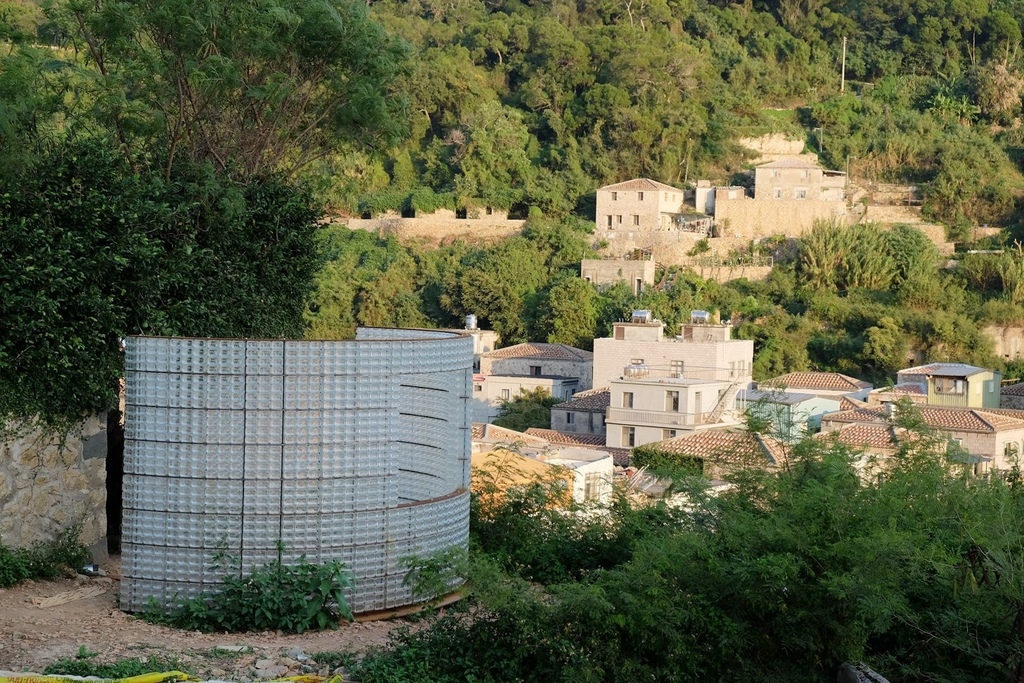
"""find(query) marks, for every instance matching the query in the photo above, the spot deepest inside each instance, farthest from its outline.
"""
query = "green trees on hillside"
(145, 186)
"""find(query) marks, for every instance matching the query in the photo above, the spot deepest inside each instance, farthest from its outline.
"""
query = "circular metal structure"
(354, 450)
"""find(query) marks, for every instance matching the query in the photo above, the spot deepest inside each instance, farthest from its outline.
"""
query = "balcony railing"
(653, 418)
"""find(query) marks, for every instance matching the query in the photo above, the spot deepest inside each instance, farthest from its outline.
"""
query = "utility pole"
(842, 78)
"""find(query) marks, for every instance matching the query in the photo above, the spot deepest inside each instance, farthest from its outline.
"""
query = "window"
(592, 485)
(609, 221)
(800, 193)
(505, 394)
(570, 418)
(619, 220)
(668, 434)
(636, 361)
(666, 196)
(636, 219)
(535, 370)
(590, 421)
(627, 399)
(778, 193)
(948, 385)
(1010, 452)
(629, 436)
(640, 196)
(807, 174)
(775, 174)
(732, 369)
(672, 401)
(676, 368)
(478, 387)
(615, 196)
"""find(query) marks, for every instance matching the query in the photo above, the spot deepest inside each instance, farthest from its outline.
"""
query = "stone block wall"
(439, 226)
(48, 483)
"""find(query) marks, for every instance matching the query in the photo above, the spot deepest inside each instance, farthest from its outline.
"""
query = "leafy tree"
(251, 89)
(529, 408)
(572, 313)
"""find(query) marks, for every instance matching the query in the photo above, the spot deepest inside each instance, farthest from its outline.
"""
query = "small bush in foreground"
(82, 664)
(291, 598)
(47, 560)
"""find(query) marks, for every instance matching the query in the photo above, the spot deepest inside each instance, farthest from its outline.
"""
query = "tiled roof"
(944, 370)
(781, 397)
(591, 401)
(847, 403)
(881, 436)
(1013, 390)
(567, 439)
(791, 162)
(542, 352)
(620, 456)
(954, 419)
(495, 434)
(727, 446)
(830, 381)
(640, 184)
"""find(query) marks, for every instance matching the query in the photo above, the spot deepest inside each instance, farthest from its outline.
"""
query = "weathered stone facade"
(48, 483)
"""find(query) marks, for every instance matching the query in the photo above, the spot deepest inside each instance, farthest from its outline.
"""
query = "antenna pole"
(842, 78)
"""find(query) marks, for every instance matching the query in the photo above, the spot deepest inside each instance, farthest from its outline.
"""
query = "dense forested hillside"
(530, 103)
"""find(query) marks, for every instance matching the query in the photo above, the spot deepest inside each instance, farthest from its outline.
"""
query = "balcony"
(653, 418)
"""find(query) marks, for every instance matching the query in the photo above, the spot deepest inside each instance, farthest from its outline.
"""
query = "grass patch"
(84, 664)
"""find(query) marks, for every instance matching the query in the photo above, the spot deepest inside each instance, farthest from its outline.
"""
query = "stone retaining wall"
(48, 484)
(438, 226)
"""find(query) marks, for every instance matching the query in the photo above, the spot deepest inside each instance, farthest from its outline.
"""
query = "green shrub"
(82, 664)
(44, 560)
(292, 598)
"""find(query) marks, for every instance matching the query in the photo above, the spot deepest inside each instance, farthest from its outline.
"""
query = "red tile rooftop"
(542, 351)
(641, 184)
(727, 446)
(593, 400)
(825, 381)
(955, 419)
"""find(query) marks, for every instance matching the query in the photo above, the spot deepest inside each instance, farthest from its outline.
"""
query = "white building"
(648, 409)
(703, 350)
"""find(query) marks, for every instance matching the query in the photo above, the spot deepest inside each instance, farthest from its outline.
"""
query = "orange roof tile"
(829, 381)
(591, 401)
(950, 419)
(727, 446)
(640, 184)
(1013, 390)
(542, 352)
(567, 439)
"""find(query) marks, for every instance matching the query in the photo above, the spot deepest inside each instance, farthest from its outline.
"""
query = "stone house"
(637, 273)
(1012, 396)
(537, 360)
(583, 414)
(703, 350)
(993, 439)
(638, 204)
(559, 369)
(798, 178)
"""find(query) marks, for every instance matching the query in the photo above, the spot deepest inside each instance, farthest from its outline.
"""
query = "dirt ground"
(31, 636)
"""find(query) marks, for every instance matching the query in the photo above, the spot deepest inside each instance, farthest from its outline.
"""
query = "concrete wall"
(1007, 340)
(438, 226)
(493, 389)
(583, 422)
(48, 484)
(752, 218)
(603, 272)
(701, 360)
